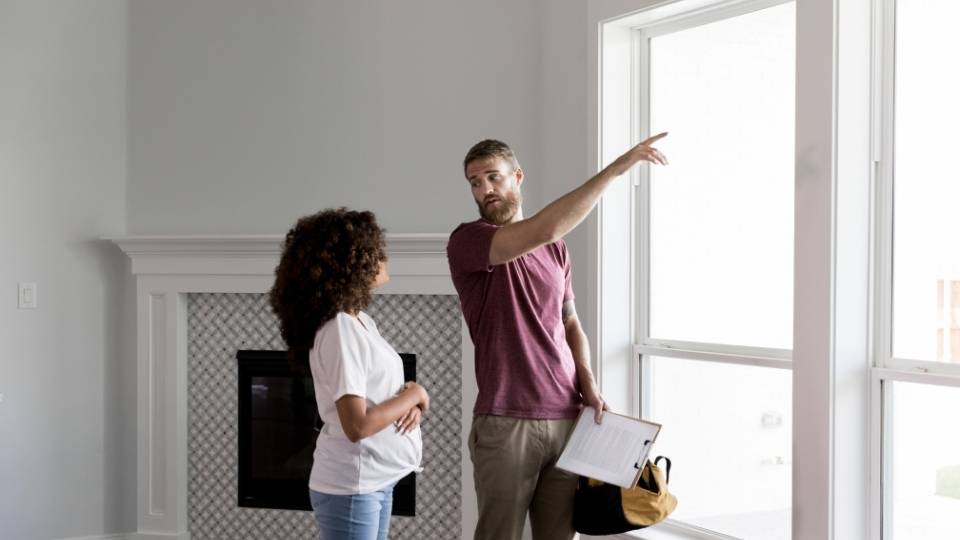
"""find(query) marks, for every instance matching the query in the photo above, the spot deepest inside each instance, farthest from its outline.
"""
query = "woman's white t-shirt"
(352, 358)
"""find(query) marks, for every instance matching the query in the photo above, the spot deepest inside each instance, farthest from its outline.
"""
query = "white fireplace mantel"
(167, 268)
(420, 255)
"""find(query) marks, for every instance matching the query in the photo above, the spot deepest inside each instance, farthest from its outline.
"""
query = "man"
(532, 357)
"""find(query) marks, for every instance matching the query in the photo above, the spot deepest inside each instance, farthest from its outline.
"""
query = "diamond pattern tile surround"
(220, 324)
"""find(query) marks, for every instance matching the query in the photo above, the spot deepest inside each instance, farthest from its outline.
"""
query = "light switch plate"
(27, 296)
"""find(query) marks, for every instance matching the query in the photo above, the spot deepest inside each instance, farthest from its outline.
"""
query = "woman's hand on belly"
(409, 421)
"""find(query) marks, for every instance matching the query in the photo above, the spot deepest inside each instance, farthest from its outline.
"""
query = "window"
(730, 427)
(918, 329)
(875, 354)
(714, 230)
(721, 215)
(926, 193)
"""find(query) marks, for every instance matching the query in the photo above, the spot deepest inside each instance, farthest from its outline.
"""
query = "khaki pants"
(513, 471)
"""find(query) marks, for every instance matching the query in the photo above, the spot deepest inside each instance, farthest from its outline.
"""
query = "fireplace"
(199, 301)
(277, 430)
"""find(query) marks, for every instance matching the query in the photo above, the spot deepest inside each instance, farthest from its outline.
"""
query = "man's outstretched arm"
(562, 215)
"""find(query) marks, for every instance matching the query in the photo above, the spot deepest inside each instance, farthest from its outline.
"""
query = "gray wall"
(246, 114)
(564, 132)
(67, 420)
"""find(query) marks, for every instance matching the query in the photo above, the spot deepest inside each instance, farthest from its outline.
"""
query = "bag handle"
(666, 469)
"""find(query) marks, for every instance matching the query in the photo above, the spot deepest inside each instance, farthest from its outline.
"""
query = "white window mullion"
(881, 312)
(852, 259)
(882, 213)
(641, 203)
(813, 262)
(884, 496)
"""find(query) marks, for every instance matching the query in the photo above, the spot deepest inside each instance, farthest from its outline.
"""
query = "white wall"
(67, 437)
(246, 114)
(243, 115)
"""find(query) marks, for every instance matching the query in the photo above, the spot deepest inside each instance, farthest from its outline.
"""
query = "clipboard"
(613, 451)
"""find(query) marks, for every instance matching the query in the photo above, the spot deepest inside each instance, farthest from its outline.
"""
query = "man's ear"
(519, 173)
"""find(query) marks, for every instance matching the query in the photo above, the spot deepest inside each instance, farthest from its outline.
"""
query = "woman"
(370, 439)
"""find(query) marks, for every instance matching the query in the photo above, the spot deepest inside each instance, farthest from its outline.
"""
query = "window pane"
(926, 264)
(924, 457)
(722, 211)
(727, 429)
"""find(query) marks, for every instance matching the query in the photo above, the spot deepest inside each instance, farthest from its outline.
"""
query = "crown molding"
(411, 243)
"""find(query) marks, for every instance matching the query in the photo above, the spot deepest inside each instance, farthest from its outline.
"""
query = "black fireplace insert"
(278, 426)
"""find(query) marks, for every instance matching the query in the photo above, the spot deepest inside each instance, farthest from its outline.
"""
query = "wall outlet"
(771, 419)
(27, 296)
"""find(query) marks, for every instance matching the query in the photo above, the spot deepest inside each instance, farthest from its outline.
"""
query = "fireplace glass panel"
(278, 427)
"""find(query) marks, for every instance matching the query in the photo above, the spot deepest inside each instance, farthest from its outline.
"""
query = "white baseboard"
(134, 536)
(158, 536)
(117, 536)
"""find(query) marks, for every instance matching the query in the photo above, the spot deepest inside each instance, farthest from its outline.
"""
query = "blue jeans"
(353, 517)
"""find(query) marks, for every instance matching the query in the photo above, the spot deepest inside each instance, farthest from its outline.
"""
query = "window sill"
(664, 531)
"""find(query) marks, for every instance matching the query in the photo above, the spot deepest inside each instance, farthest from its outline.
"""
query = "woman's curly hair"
(329, 262)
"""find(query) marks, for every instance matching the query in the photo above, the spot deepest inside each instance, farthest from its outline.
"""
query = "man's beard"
(504, 212)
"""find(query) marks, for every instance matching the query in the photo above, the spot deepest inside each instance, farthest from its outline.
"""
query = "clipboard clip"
(646, 443)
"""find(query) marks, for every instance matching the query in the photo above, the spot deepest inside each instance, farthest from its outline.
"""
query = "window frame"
(886, 368)
(645, 346)
(833, 246)
(644, 343)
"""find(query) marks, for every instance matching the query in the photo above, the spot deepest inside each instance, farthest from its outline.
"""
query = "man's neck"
(516, 217)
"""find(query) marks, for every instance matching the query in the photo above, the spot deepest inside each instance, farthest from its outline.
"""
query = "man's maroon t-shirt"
(524, 366)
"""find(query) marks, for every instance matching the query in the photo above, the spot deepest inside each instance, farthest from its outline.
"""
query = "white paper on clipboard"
(613, 451)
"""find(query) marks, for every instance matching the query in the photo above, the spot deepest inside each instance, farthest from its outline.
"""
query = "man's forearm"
(580, 348)
(562, 215)
(565, 213)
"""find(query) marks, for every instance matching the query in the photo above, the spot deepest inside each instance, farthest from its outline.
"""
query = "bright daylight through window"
(720, 271)
(921, 444)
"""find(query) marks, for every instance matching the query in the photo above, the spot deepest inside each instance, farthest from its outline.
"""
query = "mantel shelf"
(257, 255)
